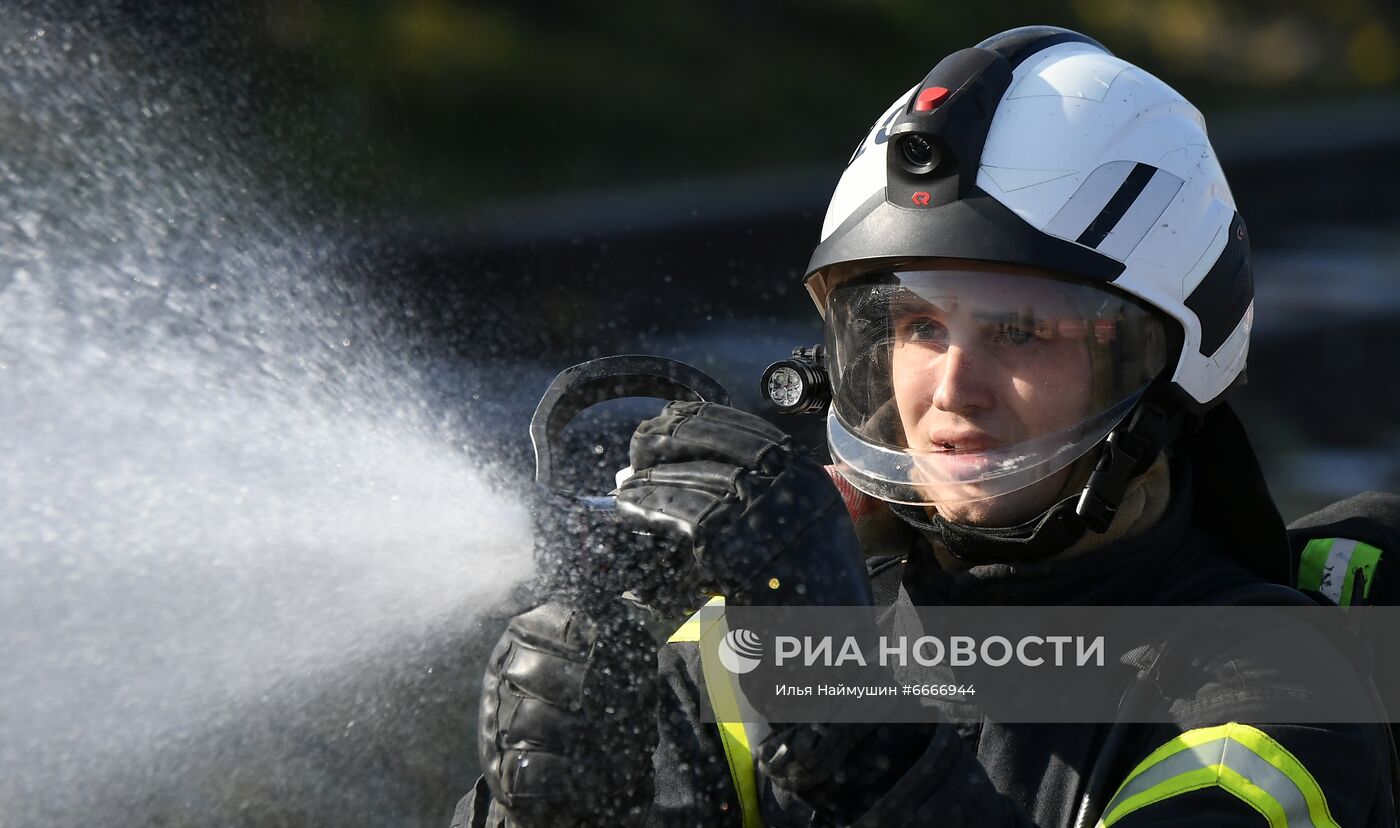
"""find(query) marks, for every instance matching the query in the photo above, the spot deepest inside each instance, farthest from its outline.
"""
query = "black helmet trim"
(977, 227)
(1224, 295)
(1016, 45)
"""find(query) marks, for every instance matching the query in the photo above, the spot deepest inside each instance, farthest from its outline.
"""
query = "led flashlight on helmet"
(799, 384)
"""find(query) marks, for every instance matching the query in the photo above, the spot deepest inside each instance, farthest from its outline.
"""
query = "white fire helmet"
(1026, 245)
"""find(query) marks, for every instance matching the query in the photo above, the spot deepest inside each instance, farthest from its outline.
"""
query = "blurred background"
(283, 281)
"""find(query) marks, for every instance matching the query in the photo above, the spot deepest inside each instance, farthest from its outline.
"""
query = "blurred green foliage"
(460, 101)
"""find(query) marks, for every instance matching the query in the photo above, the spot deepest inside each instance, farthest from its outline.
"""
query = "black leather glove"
(568, 718)
(770, 529)
(767, 524)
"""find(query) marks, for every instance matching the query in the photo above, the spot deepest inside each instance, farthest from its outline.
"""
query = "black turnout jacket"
(993, 774)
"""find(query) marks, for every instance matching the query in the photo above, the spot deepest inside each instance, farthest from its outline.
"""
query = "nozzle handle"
(610, 378)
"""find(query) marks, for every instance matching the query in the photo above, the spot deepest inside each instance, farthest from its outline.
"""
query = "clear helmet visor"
(961, 383)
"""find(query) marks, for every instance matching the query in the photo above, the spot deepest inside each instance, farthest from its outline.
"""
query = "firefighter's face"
(983, 370)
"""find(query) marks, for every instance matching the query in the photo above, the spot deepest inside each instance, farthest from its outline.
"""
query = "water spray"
(245, 553)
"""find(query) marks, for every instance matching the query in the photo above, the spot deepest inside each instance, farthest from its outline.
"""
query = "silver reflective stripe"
(1089, 200)
(1337, 568)
(1187, 760)
(1148, 207)
(1234, 755)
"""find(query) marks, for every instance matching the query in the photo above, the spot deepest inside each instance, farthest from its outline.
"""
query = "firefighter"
(1037, 292)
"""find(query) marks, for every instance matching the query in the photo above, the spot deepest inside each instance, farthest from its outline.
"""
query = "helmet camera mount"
(938, 138)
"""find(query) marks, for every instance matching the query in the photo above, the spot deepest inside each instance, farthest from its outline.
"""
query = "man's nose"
(962, 382)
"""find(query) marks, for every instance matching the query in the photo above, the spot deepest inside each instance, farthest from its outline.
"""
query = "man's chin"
(1010, 509)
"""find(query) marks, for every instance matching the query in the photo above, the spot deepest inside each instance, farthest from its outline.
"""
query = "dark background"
(545, 182)
(530, 185)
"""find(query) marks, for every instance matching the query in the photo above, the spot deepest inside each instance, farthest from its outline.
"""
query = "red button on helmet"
(929, 98)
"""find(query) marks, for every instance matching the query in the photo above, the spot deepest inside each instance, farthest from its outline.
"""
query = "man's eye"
(925, 330)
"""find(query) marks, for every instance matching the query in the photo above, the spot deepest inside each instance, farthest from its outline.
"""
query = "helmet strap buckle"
(1128, 452)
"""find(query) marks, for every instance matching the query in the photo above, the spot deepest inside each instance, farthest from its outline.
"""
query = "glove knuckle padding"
(546, 676)
(704, 431)
(703, 475)
(674, 497)
(568, 714)
(741, 420)
(532, 723)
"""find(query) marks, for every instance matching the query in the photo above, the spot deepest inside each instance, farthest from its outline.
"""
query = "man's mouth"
(958, 458)
(967, 443)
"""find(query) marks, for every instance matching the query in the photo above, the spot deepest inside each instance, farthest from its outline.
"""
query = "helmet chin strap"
(1128, 451)
(1049, 533)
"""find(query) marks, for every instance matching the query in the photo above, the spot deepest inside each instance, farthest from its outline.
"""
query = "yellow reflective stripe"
(723, 692)
(1240, 759)
(687, 632)
(1251, 794)
(1277, 755)
(1208, 777)
(740, 758)
(1310, 565)
(691, 630)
